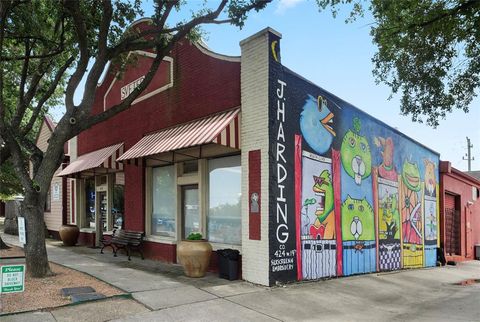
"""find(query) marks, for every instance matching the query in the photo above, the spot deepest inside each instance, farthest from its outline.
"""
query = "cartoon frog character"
(324, 225)
(316, 124)
(357, 220)
(411, 207)
(411, 175)
(355, 154)
(389, 224)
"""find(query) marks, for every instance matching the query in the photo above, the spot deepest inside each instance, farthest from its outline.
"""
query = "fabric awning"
(105, 158)
(222, 128)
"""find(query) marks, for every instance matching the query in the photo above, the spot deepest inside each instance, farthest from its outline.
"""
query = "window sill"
(172, 241)
(87, 230)
(162, 240)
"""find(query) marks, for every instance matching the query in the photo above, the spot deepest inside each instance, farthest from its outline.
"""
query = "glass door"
(90, 203)
(102, 196)
(190, 210)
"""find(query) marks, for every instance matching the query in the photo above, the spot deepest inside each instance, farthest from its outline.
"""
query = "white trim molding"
(150, 94)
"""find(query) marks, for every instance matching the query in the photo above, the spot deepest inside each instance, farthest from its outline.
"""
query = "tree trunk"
(35, 248)
(3, 245)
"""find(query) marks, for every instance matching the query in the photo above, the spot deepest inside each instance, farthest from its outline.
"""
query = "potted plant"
(194, 255)
(69, 234)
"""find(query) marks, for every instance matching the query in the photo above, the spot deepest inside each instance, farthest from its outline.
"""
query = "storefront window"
(90, 202)
(118, 200)
(224, 221)
(164, 202)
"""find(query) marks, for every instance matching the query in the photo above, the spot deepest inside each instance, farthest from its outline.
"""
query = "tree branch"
(4, 8)
(51, 89)
(39, 56)
(24, 71)
(57, 51)
(447, 13)
(169, 5)
(81, 31)
(101, 59)
(90, 120)
(129, 44)
(160, 54)
(25, 100)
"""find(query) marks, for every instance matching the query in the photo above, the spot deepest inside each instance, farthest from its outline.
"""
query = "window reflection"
(164, 202)
(224, 215)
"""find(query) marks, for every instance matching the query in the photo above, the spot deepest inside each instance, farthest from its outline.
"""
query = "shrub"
(195, 236)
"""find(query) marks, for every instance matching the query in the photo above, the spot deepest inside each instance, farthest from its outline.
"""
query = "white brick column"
(254, 134)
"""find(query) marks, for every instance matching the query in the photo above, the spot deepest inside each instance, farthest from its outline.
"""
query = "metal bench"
(124, 239)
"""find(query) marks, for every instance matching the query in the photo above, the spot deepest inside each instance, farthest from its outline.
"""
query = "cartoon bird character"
(316, 124)
(387, 168)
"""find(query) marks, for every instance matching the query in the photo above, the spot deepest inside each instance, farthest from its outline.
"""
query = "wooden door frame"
(182, 210)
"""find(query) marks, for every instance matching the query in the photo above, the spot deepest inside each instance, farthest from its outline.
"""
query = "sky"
(337, 57)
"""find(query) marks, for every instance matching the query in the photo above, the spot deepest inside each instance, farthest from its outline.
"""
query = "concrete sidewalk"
(162, 293)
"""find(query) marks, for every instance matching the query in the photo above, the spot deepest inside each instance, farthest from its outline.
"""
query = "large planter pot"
(69, 234)
(194, 255)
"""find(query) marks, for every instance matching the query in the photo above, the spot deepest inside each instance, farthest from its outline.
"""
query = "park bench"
(124, 239)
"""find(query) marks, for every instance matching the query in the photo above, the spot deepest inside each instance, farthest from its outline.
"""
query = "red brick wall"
(134, 198)
(158, 251)
(202, 85)
(86, 239)
(254, 170)
(456, 183)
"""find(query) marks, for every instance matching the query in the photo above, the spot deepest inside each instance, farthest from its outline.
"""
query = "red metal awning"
(104, 158)
(222, 128)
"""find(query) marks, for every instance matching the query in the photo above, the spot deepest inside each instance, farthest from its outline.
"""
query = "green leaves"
(195, 236)
(428, 51)
(9, 183)
(238, 10)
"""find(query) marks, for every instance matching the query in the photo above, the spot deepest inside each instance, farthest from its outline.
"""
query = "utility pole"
(469, 155)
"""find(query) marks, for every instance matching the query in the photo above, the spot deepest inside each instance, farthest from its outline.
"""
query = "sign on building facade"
(348, 194)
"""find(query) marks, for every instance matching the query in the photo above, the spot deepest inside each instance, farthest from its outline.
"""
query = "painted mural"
(412, 215)
(318, 242)
(348, 194)
(389, 245)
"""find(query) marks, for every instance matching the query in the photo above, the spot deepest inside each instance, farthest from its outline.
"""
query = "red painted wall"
(456, 182)
(202, 85)
(254, 181)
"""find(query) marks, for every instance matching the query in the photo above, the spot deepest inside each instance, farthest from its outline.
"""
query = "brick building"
(460, 210)
(258, 159)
